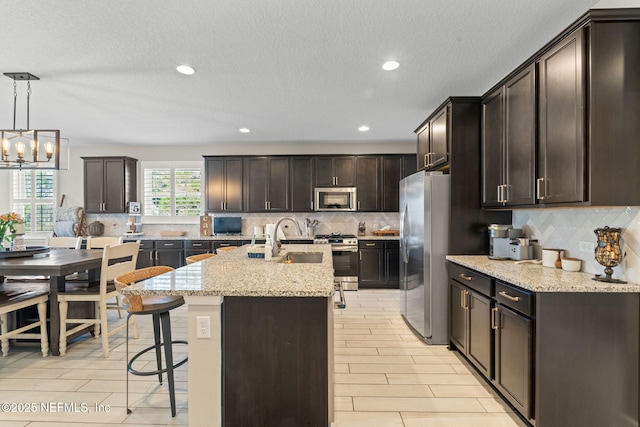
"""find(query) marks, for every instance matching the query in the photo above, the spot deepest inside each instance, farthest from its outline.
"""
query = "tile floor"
(385, 376)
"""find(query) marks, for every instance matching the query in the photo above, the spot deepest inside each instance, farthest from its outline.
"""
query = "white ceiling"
(290, 70)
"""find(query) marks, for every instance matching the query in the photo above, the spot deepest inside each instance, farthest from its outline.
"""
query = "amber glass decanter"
(608, 252)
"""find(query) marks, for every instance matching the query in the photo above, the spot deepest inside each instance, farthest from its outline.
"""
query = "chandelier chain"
(15, 100)
(28, 96)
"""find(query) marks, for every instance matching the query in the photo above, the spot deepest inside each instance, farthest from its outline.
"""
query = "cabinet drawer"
(169, 244)
(471, 278)
(516, 298)
(371, 244)
(392, 244)
(197, 244)
(224, 243)
(145, 244)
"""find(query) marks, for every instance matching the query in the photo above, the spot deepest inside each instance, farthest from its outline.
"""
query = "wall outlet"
(203, 327)
(586, 246)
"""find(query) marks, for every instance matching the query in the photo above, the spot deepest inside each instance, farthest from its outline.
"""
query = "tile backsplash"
(566, 228)
(328, 222)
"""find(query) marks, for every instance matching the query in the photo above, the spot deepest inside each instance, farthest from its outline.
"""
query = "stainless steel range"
(344, 248)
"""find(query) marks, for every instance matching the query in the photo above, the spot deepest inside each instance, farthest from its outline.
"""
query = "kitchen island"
(561, 348)
(269, 358)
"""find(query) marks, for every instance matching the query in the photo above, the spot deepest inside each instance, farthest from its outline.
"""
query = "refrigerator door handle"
(404, 232)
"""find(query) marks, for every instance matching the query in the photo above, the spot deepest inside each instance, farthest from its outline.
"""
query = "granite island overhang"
(266, 317)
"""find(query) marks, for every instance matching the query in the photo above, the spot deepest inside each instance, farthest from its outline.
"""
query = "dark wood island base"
(277, 361)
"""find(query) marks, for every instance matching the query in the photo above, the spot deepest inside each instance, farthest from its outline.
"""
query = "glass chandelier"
(28, 148)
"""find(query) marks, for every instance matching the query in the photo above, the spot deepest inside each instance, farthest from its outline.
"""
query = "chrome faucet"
(274, 238)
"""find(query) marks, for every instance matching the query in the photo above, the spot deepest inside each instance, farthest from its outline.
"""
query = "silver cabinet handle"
(221, 206)
(360, 255)
(426, 160)
(507, 296)
(465, 277)
(369, 244)
(499, 188)
(494, 322)
(168, 244)
(540, 182)
(196, 245)
(358, 204)
(463, 299)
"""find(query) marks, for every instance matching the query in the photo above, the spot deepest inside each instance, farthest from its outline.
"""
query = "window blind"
(32, 196)
(172, 191)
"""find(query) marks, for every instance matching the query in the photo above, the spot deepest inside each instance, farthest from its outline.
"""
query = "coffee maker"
(499, 240)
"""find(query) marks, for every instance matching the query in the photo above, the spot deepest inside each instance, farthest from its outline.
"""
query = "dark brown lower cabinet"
(275, 358)
(513, 357)
(470, 328)
(558, 358)
(379, 264)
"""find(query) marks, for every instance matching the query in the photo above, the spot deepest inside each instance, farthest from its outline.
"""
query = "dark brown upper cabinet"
(368, 176)
(509, 142)
(302, 184)
(409, 165)
(109, 184)
(561, 151)
(433, 141)
(586, 96)
(267, 180)
(338, 171)
(223, 188)
(394, 169)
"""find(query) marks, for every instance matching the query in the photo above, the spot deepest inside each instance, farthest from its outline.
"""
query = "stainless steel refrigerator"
(424, 242)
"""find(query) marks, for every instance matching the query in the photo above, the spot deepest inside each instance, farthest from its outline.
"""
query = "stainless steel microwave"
(335, 199)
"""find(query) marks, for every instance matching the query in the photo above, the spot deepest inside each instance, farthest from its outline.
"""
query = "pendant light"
(28, 148)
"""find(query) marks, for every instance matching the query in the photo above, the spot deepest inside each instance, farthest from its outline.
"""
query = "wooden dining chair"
(64, 242)
(102, 241)
(13, 299)
(199, 257)
(99, 243)
(116, 260)
(158, 306)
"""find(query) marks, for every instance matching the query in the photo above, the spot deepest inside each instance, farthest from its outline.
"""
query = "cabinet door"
(146, 258)
(479, 330)
(561, 123)
(409, 165)
(458, 315)
(114, 186)
(233, 190)
(391, 176)
(324, 172)
(278, 184)
(392, 264)
(513, 358)
(439, 139)
(302, 184)
(368, 178)
(257, 170)
(423, 147)
(520, 139)
(371, 263)
(492, 138)
(214, 186)
(171, 257)
(345, 171)
(93, 185)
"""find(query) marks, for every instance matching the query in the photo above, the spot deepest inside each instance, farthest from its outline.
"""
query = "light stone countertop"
(198, 237)
(537, 278)
(372, 237)
(235, 274)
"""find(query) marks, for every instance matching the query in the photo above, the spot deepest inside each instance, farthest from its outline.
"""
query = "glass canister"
(608, 251)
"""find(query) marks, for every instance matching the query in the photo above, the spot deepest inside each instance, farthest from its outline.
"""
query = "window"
(33, 196)
(171, 191)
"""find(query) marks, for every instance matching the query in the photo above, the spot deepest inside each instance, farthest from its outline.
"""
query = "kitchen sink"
(302, 257)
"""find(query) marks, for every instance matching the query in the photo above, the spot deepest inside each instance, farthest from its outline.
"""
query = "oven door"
(345, 266)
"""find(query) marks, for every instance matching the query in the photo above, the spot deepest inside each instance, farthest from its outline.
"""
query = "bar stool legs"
(161, 328)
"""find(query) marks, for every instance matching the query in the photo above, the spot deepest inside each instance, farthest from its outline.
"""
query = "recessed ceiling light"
(244, 130)
(390, 65)
(185, 69)
(363, 128)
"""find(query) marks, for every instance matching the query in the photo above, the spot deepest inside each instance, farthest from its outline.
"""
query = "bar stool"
(199, 257)
(224, 249)
(158, 306)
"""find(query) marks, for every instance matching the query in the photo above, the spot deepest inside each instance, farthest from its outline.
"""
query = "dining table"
(57, 263)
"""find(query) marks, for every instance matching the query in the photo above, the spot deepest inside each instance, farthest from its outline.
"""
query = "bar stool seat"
(199, 257)
(158, 306)
(224, 249)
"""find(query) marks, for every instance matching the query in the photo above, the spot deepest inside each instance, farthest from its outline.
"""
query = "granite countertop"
(537, 278)
(372, 237)
(234, 274)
